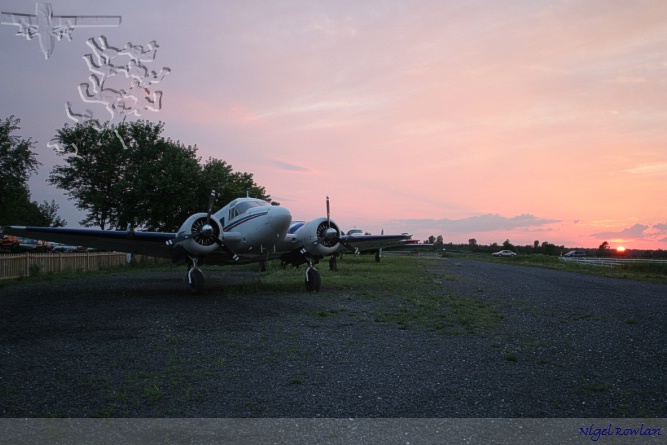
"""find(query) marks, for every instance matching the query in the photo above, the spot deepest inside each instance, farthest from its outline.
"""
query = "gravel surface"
(136, 344)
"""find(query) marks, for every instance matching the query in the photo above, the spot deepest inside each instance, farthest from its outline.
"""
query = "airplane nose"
(280, 219)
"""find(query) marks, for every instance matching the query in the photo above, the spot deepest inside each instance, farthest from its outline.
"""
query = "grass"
(397, 291)
(510, 356)
(654, 272)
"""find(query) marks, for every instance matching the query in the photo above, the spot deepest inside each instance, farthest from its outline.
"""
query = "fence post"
(27, 266)
(87, 261)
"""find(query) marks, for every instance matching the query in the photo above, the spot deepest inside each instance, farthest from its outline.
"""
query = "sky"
(486, 119)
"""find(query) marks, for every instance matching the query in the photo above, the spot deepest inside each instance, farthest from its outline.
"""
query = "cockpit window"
(240, 206)
(244, 206)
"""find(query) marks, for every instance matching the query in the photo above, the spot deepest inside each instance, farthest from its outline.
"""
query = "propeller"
(223, 246)
(329, 236)
(204, 233)
(230, 252)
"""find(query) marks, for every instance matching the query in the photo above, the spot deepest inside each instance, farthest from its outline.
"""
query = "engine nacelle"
(201, 233)
(313, 237)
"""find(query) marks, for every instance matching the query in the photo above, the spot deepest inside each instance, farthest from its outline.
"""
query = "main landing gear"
(333, 262)
(313, 278)
(196, 278)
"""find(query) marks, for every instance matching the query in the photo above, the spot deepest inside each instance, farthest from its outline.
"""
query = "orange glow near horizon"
(620, 249)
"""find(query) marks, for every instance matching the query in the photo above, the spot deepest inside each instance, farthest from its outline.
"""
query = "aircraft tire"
(197, 284)
(313, 280)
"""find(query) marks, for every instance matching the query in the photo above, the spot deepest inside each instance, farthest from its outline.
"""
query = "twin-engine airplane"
(246, 230)
(48, 27)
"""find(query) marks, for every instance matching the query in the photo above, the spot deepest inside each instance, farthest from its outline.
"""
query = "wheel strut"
(196, 278)
(313, 278)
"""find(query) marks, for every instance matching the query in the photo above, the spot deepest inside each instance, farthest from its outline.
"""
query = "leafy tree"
(603, 249)
(160, 182)
(49, 214)
(17, 163)
(549, 249)
(92, 175)
(507, 245)
(439, 241)
(218, 175)
(472, 245)
(130, 174)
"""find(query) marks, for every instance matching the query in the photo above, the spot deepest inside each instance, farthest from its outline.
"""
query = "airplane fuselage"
(253, 229)
(47, 40)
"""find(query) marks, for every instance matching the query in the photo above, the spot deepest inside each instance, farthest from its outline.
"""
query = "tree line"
(127, 173)
(544, 248)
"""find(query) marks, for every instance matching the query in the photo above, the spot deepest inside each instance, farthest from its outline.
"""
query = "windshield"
(244, 206)
(239, 207)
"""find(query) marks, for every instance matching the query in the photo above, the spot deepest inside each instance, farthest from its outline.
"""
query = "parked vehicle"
(575, 254)
(31, 245)
(10, 243)
(27, 244)
(65, 248)
(504, 253)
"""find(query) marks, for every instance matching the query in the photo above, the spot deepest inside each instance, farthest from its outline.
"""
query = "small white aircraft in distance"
(50, 27)
(247, 230)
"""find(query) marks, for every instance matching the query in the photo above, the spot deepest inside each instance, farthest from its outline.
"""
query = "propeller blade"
(328, 214)
(211, 201)
(229, 251)
(348, 247)
(178, 239)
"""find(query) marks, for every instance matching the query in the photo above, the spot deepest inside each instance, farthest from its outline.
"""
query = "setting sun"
(620, 249)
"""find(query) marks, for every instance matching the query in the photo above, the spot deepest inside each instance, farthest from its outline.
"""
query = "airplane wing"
(415, 246)
(373, 242)
(11, 18)
(59, 21)
(79, 21)
(144, 243)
